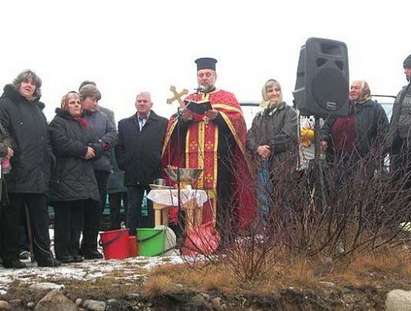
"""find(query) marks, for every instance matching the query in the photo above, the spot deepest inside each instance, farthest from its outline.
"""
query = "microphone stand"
(178, 179)
(179, 120)
(319, 159)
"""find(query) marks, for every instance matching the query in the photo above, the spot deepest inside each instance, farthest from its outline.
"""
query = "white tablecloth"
(169, 196)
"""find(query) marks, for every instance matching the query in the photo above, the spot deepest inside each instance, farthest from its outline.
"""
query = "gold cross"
(177, 96)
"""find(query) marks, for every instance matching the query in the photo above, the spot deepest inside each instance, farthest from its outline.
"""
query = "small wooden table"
(192, 201)
(160, 214)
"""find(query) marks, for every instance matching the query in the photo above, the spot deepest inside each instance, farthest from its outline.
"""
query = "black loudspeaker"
(322, 86)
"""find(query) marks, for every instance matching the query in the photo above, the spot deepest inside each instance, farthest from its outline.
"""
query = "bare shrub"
(340, 209)
(333, 211)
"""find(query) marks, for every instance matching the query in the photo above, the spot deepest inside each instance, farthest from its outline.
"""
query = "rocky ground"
(88, 285)
(119, 285)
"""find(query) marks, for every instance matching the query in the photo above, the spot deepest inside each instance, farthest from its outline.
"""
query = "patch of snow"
(88, 270)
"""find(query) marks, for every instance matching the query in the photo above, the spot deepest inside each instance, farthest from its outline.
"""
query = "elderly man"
(105, 133)
(213, 140)
(138, 152)
(400, 127)
(22, 118)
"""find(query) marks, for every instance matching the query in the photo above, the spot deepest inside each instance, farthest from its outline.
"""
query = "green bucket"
(151, 241)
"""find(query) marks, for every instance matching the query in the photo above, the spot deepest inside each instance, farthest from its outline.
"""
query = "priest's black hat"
(205, 63)
(407, 62)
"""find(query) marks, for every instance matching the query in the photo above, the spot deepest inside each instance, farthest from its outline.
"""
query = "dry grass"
(383, 270)
(206, 277)
(386, 270)
(157, 285)
(378, 268)
(300, 273)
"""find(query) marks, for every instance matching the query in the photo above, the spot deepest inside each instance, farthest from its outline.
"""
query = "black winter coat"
(277, 128)
(27, 126)
(139, 152)
(73, 177)
(371, 127)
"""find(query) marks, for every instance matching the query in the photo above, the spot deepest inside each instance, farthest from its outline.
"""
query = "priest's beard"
(206, 88)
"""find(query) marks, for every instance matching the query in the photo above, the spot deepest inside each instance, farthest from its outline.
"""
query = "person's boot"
(78, 258)
(92, 254)
(14, 264)
(48, 262)
(65, 259)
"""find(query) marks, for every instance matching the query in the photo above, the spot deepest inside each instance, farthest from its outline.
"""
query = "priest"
(213, 138)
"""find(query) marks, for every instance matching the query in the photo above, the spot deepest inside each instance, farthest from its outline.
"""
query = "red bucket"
(115, 244)
(133, 246)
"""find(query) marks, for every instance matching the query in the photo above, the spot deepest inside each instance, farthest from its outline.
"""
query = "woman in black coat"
(358, 136)
(272, 141)
(27, 183)
(73, 182)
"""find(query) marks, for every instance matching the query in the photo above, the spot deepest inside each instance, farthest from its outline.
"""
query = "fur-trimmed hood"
(13, 94)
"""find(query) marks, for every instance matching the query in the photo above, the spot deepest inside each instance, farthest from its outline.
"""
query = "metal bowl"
(187, 175)
(159, 187)
(160, 182)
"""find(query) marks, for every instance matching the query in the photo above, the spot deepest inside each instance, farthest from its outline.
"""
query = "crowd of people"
(76, 160)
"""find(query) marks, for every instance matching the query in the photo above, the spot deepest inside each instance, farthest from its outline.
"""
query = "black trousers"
(1, 231)
(115, 206)
(92, 214)
(135, 195)
(68, 222)
(102, 177)
(23, 240)
(39, 222)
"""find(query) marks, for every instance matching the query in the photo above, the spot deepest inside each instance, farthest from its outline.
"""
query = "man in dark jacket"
(22, 117)
(105, 132)
(139, 154)
(400, 128)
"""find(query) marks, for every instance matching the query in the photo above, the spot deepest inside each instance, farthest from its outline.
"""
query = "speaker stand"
(319, 161)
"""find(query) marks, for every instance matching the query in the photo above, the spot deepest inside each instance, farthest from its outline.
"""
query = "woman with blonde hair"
(73, 184)
(272, 142)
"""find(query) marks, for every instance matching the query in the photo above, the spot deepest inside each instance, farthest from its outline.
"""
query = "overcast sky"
(129, 46)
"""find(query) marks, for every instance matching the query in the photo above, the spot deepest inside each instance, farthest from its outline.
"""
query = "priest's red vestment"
(218, 147)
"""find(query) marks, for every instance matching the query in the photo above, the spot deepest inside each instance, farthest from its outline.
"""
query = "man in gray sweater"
(105, 132)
